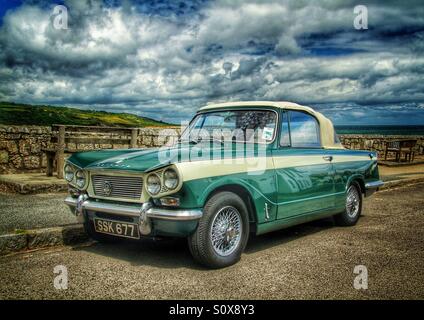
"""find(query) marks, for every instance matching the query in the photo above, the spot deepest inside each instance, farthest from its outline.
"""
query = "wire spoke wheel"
(226, 231)
(352, 202)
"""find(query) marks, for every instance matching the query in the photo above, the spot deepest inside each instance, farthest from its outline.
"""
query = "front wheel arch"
(243, 193)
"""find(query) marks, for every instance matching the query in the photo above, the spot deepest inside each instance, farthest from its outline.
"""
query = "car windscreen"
(254, 126)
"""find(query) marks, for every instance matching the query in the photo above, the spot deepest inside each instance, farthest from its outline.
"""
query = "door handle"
(328, 158)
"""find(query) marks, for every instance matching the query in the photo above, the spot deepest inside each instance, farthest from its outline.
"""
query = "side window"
(304, 130)
(299, 130)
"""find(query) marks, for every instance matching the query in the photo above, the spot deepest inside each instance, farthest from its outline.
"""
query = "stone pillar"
(60, 155)
(134, 135)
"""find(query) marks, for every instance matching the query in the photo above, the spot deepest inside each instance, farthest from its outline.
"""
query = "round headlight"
(69, 173)
(80, 179)
(170, 179)
(153, 184)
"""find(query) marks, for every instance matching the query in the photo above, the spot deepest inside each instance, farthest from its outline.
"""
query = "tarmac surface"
(33, 211)
(311, 261)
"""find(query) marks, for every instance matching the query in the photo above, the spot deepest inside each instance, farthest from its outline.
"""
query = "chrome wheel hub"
(352, 202)
(226, 231)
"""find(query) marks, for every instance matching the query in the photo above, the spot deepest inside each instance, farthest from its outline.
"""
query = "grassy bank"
(24, 114)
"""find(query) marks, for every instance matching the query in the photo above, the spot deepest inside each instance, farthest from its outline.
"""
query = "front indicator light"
(170, 201)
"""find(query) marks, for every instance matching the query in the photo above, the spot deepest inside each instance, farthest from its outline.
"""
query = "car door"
(303, 168)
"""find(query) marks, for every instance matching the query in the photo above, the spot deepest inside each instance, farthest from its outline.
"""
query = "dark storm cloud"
(165, 59)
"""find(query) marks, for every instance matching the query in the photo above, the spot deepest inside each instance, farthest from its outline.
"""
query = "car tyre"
(353, 206)
(222, 233)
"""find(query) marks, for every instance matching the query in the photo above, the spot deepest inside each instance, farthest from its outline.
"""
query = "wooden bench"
(70, 139)
(400, 147)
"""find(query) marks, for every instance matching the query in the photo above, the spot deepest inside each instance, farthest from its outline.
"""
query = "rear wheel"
(353, 206)
(222, 233)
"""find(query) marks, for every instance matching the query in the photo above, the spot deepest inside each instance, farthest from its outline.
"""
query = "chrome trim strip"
(374, 184)
(310, 198)
(185, 214)
(69, 161)
(118, 209)
(135, 211)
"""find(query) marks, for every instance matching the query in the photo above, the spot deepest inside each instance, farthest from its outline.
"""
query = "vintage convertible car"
(238, 168)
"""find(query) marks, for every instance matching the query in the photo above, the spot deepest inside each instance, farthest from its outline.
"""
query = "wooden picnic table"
(399, 147)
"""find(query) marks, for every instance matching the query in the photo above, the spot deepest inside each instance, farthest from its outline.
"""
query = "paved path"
(309, 261)
(401, 172)
(33, 211)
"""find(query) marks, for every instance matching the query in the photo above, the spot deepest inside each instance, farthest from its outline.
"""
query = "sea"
(412, 130)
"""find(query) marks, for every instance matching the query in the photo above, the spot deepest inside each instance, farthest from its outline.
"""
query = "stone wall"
(21, 146)
(377, 142)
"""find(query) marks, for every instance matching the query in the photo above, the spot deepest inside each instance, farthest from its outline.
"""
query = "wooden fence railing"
(70, 139)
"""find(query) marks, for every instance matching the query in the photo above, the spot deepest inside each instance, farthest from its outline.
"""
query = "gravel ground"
(314, 261)
(33, 211)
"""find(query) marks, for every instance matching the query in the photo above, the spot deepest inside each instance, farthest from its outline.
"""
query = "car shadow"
(164, 253)
(174, 252)
(280, 237)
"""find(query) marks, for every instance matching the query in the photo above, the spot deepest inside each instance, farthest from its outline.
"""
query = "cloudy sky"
(164, 60)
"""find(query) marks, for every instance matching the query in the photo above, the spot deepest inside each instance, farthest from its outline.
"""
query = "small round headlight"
(170, 179)
(153, 184)
(69, 173)
(80, 179)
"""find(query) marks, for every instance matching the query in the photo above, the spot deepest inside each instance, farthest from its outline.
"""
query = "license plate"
(116, 228)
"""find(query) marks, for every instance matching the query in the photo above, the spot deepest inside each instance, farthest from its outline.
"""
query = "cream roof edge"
(326, 126)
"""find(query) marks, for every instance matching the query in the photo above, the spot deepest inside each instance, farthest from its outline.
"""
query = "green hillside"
(24, 114)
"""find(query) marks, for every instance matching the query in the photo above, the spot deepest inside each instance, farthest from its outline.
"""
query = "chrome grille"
(121, 187)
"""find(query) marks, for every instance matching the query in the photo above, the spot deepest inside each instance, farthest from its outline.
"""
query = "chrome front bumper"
(373, 186)
(134, 210)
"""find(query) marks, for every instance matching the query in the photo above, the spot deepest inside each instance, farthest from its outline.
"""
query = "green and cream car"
(238, 169)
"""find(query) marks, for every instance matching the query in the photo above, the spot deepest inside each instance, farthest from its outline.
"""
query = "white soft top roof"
(326, 126)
